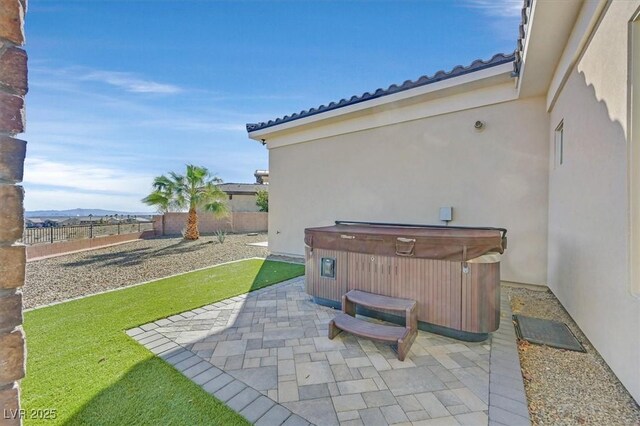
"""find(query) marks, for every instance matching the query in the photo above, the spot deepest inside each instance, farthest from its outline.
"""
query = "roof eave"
(483, 77)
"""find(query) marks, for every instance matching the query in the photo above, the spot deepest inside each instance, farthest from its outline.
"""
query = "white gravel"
(65, 277)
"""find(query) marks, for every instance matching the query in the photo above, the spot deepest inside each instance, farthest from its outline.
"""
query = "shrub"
(262, 200)
(221, 235)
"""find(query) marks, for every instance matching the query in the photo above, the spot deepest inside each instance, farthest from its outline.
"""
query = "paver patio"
(266, 355)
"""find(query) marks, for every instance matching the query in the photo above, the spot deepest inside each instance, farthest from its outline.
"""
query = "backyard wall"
(13, 87)
(589, 202)
(405, 172)
(236, 222)
(62, 247)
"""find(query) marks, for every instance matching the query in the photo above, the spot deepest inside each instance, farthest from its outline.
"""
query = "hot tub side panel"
(480, 307)
(446, 296)
(434, 284)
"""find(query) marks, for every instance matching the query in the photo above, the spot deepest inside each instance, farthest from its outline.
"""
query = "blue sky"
(122, 91)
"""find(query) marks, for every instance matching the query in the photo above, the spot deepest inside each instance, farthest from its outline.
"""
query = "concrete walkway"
(266, 355)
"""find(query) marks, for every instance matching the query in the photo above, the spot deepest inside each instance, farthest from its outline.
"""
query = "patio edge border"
(507, 397)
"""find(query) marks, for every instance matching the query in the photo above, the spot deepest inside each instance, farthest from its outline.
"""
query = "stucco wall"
(588, 201)
(406, 172)
(237, 222)
(243, 203)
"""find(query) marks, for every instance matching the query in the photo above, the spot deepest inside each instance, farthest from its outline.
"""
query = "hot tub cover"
(420, 241)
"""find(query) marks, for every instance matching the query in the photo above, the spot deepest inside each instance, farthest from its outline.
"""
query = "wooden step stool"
(403, 337)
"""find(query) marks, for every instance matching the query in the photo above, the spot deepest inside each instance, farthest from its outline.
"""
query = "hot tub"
(452, 272)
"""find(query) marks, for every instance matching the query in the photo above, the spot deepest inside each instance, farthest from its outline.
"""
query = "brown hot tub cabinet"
(453, 273)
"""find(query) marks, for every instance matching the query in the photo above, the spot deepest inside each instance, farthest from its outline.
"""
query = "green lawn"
(82, 364)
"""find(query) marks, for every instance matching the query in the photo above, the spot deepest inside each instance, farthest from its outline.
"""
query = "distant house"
(262, 176)
(34, 223)
(242, 196)
(544, 141)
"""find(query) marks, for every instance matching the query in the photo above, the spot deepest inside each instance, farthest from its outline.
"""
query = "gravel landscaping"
(565, 387)
(65, 277)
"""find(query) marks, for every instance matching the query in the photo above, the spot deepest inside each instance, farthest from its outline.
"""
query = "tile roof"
(247, 188)
(476, 65)
(522, 32)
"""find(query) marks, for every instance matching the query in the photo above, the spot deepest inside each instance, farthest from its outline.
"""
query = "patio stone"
(207, 375)
(411, 380)
(285, 353)
(458, 409)
(394, 414)
(417, 416)
(257, 408)
(357, 386)
(335, 357)
(217, 383)
(192, 372)
(189, 362)
(447, 398)
(348, 402)
(379, 362)
(275, 416)
(158, 350)
(295, 420)
(379, 398)
(409, 403)
(358, 362)
(323, 344)
(234, 347)
(372, 417)
(288, 391)
(368, 372)
(243, 399)
(261, 378)
(233, 363)
(471, 419)
(318, 411)
(313, 372)
(341, 372)
(469, 399)
(348, 415)
(313, 391)
(227, 392)
(432, 405)
(177, 356)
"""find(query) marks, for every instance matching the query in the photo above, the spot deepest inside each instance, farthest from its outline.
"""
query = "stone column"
(13, 87)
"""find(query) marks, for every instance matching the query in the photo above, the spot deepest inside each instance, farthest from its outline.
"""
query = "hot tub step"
(378, 301)
(386, 333)
(401, 336)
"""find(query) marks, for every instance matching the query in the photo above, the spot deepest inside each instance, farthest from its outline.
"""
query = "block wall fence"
(38, 251)
(236, 222)
(13, 88)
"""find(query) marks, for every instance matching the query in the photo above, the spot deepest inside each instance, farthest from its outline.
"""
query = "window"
(634, 152)
(559, 144)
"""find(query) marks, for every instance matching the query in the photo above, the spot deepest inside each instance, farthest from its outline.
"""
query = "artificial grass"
(81, 364)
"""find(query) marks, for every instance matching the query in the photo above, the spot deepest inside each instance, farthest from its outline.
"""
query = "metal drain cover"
(547, 332)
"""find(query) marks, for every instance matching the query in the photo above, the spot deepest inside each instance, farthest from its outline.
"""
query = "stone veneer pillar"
(13, 87)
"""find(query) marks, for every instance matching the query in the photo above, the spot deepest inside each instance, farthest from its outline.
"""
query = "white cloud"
(130, 82)
(86, 177)
(497, 8)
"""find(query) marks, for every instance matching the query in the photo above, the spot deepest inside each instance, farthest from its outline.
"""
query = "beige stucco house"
(243, 196)
(544, 142)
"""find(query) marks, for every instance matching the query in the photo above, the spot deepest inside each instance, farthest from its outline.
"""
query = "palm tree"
(196, 189)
